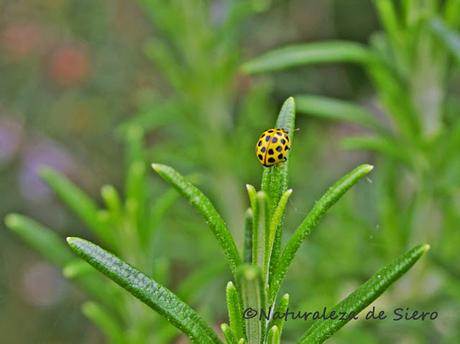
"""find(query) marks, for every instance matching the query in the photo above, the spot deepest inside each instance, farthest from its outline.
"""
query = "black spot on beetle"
(279, 133)
(263, 149)
(270, 151)
(260, 157)
(280, 156)
(283, 141)
(271, 160)
(270, 131)
(259, 143)
(279, 149)
(274, 140)
(267, 138)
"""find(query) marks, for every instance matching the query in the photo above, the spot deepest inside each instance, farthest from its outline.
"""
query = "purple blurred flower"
(37, 155)
(42, 285)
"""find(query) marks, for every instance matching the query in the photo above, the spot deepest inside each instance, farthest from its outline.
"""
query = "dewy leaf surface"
(147, 290)
(332, 195)
(204, 206)
(363, 296)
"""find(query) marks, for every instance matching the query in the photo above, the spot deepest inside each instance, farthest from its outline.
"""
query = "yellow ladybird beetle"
(272, 147)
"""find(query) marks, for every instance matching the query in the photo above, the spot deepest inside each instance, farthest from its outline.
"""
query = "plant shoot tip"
(11, 220)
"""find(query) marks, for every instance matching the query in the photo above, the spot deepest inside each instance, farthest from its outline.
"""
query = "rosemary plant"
(259, 269)
(127, 226)
(411, 65)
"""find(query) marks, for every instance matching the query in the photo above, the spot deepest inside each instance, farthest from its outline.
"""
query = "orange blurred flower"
(21, 39)
(69, 66)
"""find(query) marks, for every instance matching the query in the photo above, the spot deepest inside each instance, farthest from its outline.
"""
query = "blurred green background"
(76, 76)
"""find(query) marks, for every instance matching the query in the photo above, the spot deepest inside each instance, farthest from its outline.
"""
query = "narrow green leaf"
(381, 144)
(390, 21)
(242, 341)
(332, 195)
(163, 56)
(281, 308)
(309, 53)
(228, 334)
(253, 297)
(286, 116)
(275, 179)
(252, 193)
(41, 238)
(156, 214)
(135, 181)
(161, 205)
(364, 295)
(112, 201)
(262, 231)
(90, 280)
(104, 321)
(449, 38)
(81, 273)
(135, 204)
(204, 206)
(134, 139)
(248, 232)
(161, 272)
(335, 109)
(235, 312)
(274, 234)
(194, 283)
(274, 335)
(147, 290)
(452, 12)
(160, 114)
(80, 203)
(76, 268)
(53, 248)
(395, 98)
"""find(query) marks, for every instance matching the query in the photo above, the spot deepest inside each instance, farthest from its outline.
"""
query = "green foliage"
(82, 205)
(334, 109)
(235, 311)
(410, 67)
(105, 321)
(42, 239)
(201, 115)
(252, 290)
(322, 52)
(127, 225)
(147, 290)
(448, 37)
(332, 195)
(204, 206)
(411, 126)
(363, 296)
(205, 111)
(281, 307)
(255, 288)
